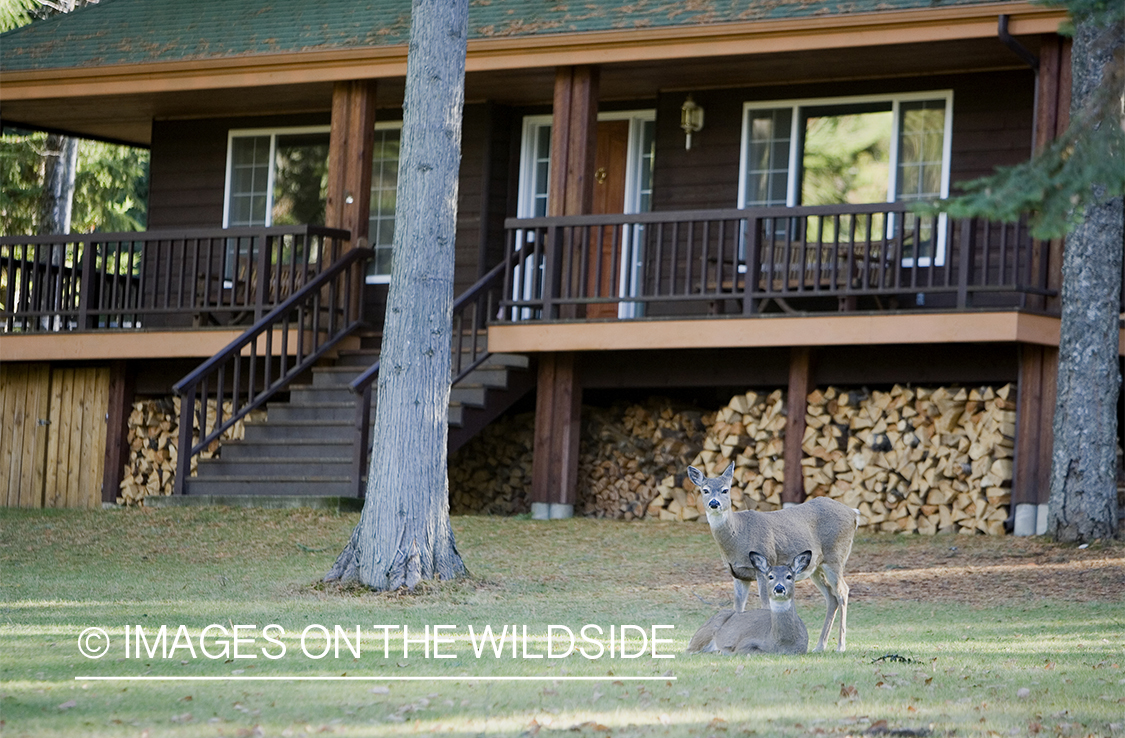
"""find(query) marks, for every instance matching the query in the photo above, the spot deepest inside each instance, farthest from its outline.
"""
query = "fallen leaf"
(1023, 693)
(665, 719)
(848, 692)
(381, 689)
(184, 718)
(68, 704)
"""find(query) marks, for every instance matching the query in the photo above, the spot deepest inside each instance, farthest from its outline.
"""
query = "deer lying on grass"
(776, 630)
(820, 525)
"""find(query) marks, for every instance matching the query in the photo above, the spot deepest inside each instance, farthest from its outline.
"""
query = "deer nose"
(713, 504)
(779, 588)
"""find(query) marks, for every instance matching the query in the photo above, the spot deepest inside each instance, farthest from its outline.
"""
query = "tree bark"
(60, 164)
(404, 533)
(1083, 501)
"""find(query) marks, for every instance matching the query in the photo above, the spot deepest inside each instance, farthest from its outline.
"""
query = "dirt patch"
(974, 570)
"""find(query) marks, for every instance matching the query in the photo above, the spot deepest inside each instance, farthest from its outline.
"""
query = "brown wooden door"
(610, 162)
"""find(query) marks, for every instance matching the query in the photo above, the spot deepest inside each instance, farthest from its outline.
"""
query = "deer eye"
(788, 576)
(771, 576)
(725, 491)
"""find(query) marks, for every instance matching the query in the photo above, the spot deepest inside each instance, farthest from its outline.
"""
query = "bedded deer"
(820, 525)
(776, 630)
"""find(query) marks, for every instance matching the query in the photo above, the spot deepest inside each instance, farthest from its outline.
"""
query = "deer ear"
(801, 562)
(695, 476)
(759, 562)
(728, 475)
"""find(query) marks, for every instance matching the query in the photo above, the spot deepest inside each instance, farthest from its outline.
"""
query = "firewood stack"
(914, 459)
(491, 474)
(750, 431)
(153, 435)
(625, 451)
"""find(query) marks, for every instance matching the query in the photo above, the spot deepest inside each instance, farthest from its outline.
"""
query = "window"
(280, 177)
(891, 148)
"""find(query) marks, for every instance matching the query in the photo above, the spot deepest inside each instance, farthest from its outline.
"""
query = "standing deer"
(776, 630)
(820, 525)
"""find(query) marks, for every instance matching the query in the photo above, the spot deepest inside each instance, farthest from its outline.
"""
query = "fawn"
(776, 630)
(820, 525)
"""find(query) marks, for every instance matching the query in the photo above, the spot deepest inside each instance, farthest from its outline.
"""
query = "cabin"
(651, 195)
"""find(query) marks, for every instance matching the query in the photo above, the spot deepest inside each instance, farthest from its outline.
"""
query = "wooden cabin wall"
(992, 126)
(53, 439)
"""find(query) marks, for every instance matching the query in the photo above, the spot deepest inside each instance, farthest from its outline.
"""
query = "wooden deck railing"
(156, 279)
(315, 318)
(793, 259)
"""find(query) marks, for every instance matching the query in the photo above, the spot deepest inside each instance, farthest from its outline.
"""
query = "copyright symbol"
(93, 643)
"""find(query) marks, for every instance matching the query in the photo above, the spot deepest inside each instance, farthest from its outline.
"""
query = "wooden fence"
(53, 435)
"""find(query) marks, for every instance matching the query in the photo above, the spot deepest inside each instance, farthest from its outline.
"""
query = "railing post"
(361, 439)
(183, 451)
(753, 266)
(965, 263)
(552, 271)
(86, 284)
(261, 284)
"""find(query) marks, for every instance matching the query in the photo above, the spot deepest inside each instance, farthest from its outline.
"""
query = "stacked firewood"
(153, 437)
(749, 431)
(914, 459)
(625, 451)
(491, 474)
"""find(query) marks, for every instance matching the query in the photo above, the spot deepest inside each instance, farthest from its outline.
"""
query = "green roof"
(140, 31)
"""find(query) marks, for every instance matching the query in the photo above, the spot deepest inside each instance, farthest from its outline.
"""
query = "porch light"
(691, 119)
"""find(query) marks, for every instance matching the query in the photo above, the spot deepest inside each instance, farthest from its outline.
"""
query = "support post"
(558, 404)
(350, 147)
(117, 428)
(800, 379)
(1031, 482)
(559, 393)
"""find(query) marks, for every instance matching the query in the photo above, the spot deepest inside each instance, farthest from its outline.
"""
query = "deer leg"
(827, 590)
(841, 588)
(764, 590)
(741, 595)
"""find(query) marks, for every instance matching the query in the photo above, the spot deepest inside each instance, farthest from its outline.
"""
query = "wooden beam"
(109, 345)
(1049, 382)
(783, 331)
(800, 379)
(117, 427)
(350, 148)
(848, 30)
(1025, 480)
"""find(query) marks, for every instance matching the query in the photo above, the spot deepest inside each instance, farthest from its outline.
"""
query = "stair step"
(307, 393)
(283, 467)
(335, 376)
(471, 395)
(293, 448)
(309, 429)
(244, 485)
(312, 411)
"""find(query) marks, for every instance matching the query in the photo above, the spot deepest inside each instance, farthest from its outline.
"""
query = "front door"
(610, 167)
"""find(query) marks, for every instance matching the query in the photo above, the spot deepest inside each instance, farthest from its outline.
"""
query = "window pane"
(921, 146)
(648, 157)
(767, 156)
(846, 158)
(384, 192)
(300, 186)
(249, 178)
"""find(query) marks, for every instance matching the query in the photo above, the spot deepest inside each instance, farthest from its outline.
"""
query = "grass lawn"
(949, 635)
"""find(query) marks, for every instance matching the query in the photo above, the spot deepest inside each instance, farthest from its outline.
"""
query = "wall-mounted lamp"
(691, 119)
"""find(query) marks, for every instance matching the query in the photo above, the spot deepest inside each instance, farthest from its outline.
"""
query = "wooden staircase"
(304, 447)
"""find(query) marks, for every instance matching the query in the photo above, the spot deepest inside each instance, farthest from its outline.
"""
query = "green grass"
(972, 621)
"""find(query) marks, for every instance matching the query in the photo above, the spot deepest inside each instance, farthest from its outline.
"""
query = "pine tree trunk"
(1083, 502)
(55, 206)
(404, 533)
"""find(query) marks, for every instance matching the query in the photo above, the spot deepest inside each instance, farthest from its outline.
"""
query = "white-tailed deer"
(776, 630)
(820, 525)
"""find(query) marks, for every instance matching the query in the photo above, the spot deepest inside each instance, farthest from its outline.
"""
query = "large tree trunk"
(56, 204)
(1083, 502)
(404, 533)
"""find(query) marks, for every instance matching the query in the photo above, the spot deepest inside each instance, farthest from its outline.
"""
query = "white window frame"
(525, 204)
(273, 133)
(796, 142)
(384, 126)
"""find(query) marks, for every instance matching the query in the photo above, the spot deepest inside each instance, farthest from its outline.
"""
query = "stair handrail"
(335, 289)
(478, 299)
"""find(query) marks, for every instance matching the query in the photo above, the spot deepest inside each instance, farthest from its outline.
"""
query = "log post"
(351, 144)
(1038, 367)
(559, 393)
(800, 379)
(117, 428)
